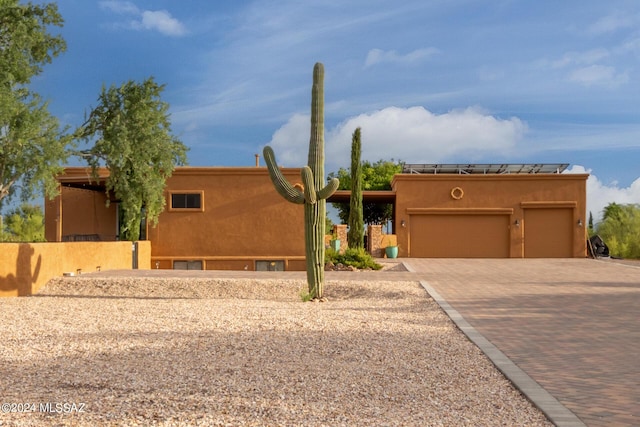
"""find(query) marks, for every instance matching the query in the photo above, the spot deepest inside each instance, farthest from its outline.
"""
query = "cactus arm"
(307, 181)
(283, 187)
(329, 189)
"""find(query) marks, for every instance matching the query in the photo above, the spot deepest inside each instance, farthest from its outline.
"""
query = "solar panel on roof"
(484, 168)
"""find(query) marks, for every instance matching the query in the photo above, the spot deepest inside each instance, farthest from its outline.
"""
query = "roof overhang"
(370, 196)
(79, 175)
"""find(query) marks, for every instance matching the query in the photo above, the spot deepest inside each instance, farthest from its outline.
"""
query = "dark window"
(186, 201)
(269, 265)
(187, 265)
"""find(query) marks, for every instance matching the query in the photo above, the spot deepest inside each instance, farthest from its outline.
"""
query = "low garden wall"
(26, 267)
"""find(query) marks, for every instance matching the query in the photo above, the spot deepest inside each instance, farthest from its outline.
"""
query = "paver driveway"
(573, 325)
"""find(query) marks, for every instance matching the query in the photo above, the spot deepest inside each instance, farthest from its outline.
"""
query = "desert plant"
(314, 193)
(305, 296)
(355, 257)
(355, 237)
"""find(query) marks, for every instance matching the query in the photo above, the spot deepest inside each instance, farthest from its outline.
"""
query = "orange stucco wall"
(242, 219)
(80, 212)
(26, 267)
(506, 198)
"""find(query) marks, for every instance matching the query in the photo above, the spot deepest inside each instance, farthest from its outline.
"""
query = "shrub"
(355, 257)
(620, 229)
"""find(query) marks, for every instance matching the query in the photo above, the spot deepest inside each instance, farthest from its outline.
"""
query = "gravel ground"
(219, 352)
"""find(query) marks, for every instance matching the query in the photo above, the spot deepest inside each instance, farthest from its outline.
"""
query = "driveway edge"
(555, 411)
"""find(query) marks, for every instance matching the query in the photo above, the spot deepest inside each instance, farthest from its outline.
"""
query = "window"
(191, 200)
(187, 265)
(269, 265)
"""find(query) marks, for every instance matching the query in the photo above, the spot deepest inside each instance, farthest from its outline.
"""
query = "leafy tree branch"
(130, 130)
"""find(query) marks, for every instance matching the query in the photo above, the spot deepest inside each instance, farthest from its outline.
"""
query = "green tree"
(32, 148)
(375, 176)
(620, 229)
(131, 134)
(24, 224)
(612, 211)
(355, 236)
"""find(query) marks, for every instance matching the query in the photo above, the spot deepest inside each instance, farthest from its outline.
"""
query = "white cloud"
(595, 67)
(290, 142)
(162, 21)
(598, 75)
(581, 58)
(613, 22)
(120, 7)
(586, 68)
(600, 195)
(158, 20)
(376, 56)
(631, 46)
(414, 135)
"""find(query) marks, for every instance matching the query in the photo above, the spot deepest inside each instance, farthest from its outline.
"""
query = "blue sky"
(429, 81)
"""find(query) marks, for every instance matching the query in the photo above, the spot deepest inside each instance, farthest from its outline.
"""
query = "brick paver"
(573, 325)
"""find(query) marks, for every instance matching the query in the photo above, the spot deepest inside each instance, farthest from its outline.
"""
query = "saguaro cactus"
(355, 238)
(314, 192)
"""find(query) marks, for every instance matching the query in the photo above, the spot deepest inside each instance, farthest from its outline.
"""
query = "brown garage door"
(459, 236)
(548, 233)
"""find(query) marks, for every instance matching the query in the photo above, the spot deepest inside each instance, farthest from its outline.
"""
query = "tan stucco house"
(232, 217)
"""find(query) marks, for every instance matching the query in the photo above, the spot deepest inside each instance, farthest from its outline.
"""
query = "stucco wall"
(26, 267)
(80, 212)
(242, 219)
(506, 196)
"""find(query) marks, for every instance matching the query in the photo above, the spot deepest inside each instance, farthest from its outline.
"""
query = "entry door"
(548, 233)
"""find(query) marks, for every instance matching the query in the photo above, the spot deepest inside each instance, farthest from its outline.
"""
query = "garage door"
(548, 233)
(459, 236)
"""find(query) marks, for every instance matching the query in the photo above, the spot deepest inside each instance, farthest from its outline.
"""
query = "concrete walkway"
(565, 331)
(572, 325)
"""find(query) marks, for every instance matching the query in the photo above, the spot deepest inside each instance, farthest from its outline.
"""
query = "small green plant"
(331, 255)
(355, 257)
(305, 295)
